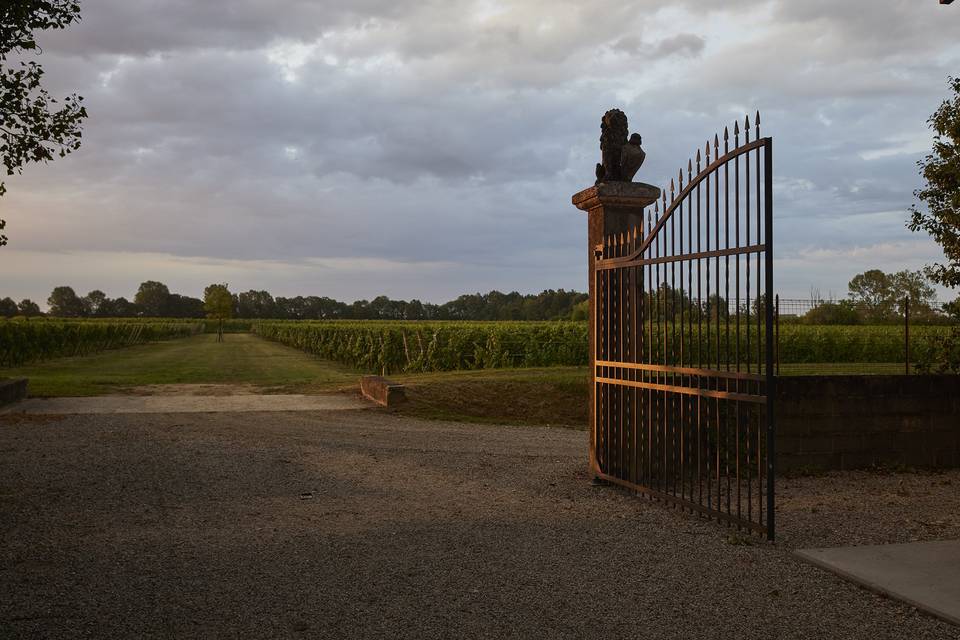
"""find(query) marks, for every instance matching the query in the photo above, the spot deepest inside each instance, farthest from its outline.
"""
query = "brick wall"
(849, 422)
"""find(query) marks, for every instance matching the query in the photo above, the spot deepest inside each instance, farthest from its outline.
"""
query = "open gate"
(683, 368)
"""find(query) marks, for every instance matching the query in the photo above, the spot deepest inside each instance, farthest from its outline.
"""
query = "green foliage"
(152, 298)
(581, 311)
(227, 326)
(28, 308)
(8, 308)
(64, 303)
(879, 297)
(842, 312)
(34, 127)
(218, 302)
(94, 303)
(941, 194)
(941, 354)
(23, 341)
(547, 305)
(394, 347)
(952, 309)
(388, 347)
(841, 344)
(256, 304)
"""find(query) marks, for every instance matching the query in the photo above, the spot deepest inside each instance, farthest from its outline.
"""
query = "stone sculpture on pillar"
(621, 158)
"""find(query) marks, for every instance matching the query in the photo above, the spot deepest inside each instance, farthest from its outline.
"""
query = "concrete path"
(187, 404)
(923, 574)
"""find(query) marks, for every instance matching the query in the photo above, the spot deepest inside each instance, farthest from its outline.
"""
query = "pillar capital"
(627, 195)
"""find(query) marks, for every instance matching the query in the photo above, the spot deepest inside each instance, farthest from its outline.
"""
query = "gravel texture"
(362, 524)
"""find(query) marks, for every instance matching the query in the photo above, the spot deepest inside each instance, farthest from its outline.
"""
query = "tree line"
(874, 297)
(154, 299)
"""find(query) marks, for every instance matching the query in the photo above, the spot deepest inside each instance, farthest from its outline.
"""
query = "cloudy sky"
(430, 148)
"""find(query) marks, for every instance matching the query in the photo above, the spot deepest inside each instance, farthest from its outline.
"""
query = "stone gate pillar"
(612, 207)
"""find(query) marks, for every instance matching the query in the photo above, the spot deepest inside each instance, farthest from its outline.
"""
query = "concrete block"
(12, 390)
(382, 391)
(922, 574)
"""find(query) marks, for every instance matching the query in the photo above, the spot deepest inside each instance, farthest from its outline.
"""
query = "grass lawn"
(242, 358)
(547, 396)
(553, 396)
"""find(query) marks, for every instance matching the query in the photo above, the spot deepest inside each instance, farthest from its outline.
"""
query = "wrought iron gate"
(684, 370)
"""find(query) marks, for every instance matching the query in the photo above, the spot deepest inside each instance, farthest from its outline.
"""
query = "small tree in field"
(218, 303)
(941, 194)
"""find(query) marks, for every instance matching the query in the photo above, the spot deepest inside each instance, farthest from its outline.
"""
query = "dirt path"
(358, 524)
(170, 402)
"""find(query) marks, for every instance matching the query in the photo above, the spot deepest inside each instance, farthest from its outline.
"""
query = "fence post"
(776, 343)
(906, 335)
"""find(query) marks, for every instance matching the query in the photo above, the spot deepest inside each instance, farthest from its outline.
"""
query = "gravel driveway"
(363, 524)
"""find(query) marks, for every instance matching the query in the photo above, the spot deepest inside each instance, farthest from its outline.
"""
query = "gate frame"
(618, 208)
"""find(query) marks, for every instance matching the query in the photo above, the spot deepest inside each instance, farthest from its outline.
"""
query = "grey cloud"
(684, 43)
(681, 43)
(426, 131)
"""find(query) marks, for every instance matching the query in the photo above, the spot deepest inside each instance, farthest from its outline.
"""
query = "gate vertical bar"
(906, 335)
(771, 378)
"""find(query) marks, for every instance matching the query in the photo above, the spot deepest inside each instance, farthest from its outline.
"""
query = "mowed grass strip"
(242, 359)
(548, 396)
